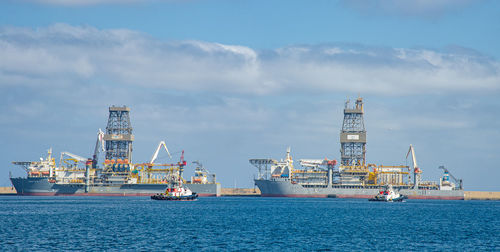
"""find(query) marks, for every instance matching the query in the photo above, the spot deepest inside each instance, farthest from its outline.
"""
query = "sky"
(230, 80)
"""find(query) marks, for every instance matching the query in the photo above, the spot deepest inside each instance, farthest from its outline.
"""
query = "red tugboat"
(177, 191)
(388, 195)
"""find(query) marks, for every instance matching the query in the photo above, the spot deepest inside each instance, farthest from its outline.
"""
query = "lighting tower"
(353, 135)
(118, 135)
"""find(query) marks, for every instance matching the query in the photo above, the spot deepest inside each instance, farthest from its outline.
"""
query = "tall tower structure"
(353, 135)
(118, 135)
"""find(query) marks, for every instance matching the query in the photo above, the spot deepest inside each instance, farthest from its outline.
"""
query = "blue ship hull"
(41, 186)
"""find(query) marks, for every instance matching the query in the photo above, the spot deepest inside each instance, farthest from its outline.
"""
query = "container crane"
(458, 181)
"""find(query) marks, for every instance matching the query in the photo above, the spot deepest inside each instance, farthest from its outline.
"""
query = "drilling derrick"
(353, 136)
(118, 135)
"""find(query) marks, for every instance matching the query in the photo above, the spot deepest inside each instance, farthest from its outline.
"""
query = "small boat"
(388, 195)
(178, 193)
(176, 189)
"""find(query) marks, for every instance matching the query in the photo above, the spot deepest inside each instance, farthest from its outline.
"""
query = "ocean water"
(245, 224)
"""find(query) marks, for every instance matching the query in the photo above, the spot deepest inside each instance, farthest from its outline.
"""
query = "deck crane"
(100, 140)
(416, 170)
(316, 164)
(199, 166)
(312, 163)
(458, 181)
(182, 162)
(201, 174)
(74, 157)
(155, 155)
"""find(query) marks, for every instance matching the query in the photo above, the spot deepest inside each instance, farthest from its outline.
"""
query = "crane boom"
(416, 170)
(80, 159)
(412, 151)
(312, 163)
(459, 181)
(100, 139)
(200, 166)
(155, 155)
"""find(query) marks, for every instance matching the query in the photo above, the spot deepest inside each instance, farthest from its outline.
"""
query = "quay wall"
(240, 192)
(477, 195)
(7, 190)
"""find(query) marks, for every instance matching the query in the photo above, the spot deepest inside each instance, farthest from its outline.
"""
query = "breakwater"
(478, 195)
(243, 192)
(7, 191)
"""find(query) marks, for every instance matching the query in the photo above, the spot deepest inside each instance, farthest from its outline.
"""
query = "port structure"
(263, 165)
(445, 181)
(117, 175)
(353, 172)
(118, 135)
(353, 135)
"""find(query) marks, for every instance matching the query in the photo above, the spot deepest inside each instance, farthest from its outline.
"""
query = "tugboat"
(388, 195)
(178, 193)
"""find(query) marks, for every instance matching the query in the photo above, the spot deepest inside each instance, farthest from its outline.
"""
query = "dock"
(478, 195)
(7, 191)
(240, 192)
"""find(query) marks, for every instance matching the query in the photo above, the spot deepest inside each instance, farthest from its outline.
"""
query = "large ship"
(117, 176)
(352, 178)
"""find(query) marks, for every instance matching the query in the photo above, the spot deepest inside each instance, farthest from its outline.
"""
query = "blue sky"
(233, 80)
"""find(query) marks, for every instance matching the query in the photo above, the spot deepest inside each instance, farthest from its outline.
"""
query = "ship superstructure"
(202, 180)
(353, 177)
(117, 175)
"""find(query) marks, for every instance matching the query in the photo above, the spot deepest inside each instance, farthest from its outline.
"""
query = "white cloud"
(69, 55)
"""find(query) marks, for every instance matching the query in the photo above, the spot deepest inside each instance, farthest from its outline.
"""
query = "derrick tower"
(118, 135)
(353, 135)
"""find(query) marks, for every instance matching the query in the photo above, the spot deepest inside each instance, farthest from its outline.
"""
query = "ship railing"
(308, 185)
(152, 181)
(309, 171)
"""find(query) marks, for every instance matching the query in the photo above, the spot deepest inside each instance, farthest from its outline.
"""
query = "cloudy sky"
(231, 80)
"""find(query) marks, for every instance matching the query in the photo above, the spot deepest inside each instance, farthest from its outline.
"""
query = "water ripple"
(245, 224)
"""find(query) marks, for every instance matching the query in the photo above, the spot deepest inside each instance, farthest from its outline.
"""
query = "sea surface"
(246, 223)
